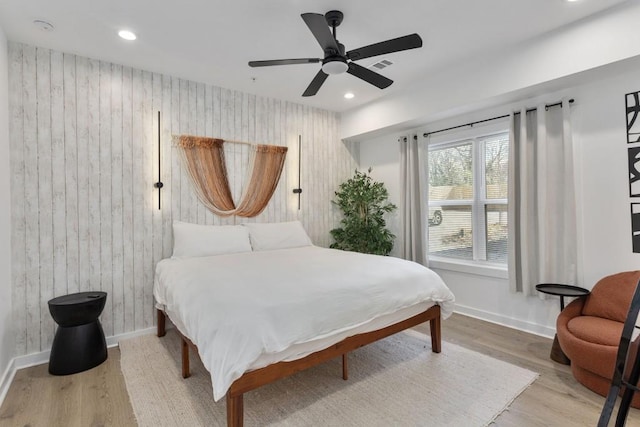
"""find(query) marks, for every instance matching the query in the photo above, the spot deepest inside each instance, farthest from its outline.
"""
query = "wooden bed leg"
(436, 335)
(161, 323)
(186, 373)
(345, 367)
(235, 410)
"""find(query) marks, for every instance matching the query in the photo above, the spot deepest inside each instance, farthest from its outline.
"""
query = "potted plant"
(363, 203)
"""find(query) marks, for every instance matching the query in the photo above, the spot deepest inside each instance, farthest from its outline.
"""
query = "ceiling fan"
(336, 61)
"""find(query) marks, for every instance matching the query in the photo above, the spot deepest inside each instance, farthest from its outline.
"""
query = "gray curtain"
(542, 209)
(413, 200)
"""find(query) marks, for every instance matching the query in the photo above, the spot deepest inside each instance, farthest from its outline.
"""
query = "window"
(468, 198)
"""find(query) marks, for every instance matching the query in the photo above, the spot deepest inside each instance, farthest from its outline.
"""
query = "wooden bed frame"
(259, 377)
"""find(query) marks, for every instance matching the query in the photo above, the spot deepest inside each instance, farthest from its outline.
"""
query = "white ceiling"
(211, 41)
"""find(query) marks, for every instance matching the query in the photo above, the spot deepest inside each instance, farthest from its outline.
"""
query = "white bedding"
(245, 307)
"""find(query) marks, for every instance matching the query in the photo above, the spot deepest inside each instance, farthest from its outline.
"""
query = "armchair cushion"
(596, 330)
(611, 296)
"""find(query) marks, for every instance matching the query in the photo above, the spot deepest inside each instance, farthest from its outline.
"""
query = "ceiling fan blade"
(369, 76)
(284, 62)
(411, 41)
(316, 83)
(318, 25)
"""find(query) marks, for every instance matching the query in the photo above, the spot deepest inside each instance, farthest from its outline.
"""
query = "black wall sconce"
(159, 184)
(298, 190)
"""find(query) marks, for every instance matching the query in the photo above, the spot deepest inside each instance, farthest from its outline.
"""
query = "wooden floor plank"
(554, 399)
(98, 397)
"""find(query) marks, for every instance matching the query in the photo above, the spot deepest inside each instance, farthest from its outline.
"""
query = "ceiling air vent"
(381, 64)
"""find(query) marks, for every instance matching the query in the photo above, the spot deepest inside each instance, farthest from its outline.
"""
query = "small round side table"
(79, 343)
(562, 291)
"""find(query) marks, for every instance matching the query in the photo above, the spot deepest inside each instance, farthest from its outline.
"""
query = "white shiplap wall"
(83, 163)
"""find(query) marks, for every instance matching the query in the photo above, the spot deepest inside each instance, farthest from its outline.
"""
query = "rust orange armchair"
(589, 330)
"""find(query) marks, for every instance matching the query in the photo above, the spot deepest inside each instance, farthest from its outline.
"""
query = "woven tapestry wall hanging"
(204, 160)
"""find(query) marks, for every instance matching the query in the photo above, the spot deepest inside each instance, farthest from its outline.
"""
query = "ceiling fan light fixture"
(335, 66)
(127, 35)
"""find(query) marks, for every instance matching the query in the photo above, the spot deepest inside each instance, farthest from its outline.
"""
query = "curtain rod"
(547, 106)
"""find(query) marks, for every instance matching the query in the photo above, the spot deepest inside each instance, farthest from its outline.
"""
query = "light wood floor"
(99, 398)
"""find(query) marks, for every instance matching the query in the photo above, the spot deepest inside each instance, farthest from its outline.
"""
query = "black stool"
(79, 343)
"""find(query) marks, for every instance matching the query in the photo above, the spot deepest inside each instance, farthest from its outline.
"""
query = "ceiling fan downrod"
(335, 62)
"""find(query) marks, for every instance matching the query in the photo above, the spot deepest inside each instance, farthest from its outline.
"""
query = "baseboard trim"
(510, 322)
(7, 378)
(33, 359)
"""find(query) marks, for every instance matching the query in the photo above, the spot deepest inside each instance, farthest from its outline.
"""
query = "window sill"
(470, 267)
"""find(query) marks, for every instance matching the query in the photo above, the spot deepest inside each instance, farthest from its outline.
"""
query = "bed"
(259, 302)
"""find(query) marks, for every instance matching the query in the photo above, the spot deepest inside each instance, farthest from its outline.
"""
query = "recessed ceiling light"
(349, 95)
(43, 25)
(571, 1)
(127, 35)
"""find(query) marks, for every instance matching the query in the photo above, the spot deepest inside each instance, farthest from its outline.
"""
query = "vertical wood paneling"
(156, 233)
(59, 178)
(138, 207)
(208, 131)
(117, 295)
(82, 114)
(84, 160)
(176, 172)
(18, 213)
(291, 175)
(147, 190)
(183, 123)
(200, 129)
(106, 219)
(217, 128)
(167, 165)
(237, 150)
(283, 188)
(45, 202)
(93, 173)
(69, 190)
(226, 131)
(127, 200)
(192, 123)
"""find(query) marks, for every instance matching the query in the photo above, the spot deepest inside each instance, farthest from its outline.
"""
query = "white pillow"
(193, 240)
(278, 235)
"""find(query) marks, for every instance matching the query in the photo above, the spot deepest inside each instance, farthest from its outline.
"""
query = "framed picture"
(632, 101)
(635, 227)
(634, 172)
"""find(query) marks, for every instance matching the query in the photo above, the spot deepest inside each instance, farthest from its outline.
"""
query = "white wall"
(382, 155)
(604, 223)
(6, 324)
(600, 135)
(84, 160)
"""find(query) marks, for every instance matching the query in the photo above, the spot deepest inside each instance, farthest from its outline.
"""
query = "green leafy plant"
(363, 202)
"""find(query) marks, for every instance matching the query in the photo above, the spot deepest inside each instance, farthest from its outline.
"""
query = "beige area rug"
(394, 382)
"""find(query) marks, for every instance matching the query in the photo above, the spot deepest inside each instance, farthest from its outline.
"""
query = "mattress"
(245, 311)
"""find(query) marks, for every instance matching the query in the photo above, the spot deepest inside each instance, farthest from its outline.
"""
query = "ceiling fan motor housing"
(335, 62)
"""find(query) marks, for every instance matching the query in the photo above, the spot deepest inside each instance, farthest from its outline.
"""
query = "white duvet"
(238, 307)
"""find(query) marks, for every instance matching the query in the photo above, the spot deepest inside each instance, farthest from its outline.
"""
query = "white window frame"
(477, 137)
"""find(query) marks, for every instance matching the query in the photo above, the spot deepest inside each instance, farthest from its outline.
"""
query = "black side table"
(562, 291)
(79, 343)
